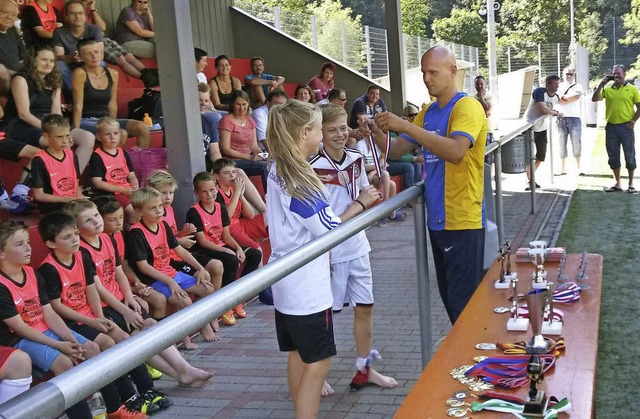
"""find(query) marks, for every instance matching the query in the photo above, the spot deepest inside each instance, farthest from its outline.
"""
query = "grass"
(607, 223)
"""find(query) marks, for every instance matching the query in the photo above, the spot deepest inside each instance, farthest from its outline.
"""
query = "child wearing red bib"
(110, 168)
(54, 170)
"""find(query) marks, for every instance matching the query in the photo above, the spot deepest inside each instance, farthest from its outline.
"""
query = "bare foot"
(195, 378)
(188, 345)
(381, 380)
(207, 334)
(326, 390)
(215, 325)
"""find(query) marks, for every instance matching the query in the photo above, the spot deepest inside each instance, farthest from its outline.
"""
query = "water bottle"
(97, 406)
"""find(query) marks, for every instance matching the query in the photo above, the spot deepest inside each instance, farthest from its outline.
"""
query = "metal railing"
(50, 398)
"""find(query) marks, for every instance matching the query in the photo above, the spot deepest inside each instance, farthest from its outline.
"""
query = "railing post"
(404, 51)
(558, 54)
(508, 64)
(276, 17)
(367, 41)
(343, 33)
(532, 165)
(419, 48)
(314, 34)
(424, 293)
(540, 66)
(550, 141)
(497, 173)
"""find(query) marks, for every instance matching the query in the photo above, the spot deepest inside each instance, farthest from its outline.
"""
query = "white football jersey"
(293, 223)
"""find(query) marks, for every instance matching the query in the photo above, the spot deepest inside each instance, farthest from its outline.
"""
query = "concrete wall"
(286, 56)
(211, 21)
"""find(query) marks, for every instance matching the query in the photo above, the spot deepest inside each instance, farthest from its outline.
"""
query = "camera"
(610, 78)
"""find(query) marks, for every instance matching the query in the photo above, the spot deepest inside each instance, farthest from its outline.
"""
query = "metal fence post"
(386, 53)
(367, 41)
(532, 165)
(419, 48)
(276, 17)
(314, 34)
(478, 60)
(508, 64)
(558, 53)
(343, 33)
(540, 66)
(550, 141)
(497, 173)
(424, 293)
(404, 51)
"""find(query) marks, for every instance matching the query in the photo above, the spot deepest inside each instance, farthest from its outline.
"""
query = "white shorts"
(351, 282)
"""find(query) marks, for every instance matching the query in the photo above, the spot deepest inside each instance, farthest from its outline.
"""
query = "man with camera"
(620, 100)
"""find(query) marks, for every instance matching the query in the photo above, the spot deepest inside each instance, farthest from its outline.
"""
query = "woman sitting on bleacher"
(35, 93)
(135, 29)
(238, 139)
(223, 84)
(95, 90)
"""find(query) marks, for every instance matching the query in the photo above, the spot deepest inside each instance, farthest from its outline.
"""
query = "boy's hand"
(202, 276)
(72, 350)
(176, 291)
(369, 195)
(239, 187)
(133, 320)
(102, 324)
(227, 250)
(131, 302)
(240, 254)
(188, 229)
(141, 290)
(187, 241)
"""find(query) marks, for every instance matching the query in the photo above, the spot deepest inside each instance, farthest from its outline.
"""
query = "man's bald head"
(439, 70)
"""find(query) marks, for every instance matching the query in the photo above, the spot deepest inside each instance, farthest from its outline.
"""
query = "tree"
(464, 26)
(631, 22)
(415, 15)
(589, 35)
(372, 12)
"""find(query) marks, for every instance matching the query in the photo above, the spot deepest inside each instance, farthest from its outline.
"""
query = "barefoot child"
(164, 183)
(213, 238)
(35, 328)
(298, 204)
(343, 173)
(113, 217)
(54, 170)
(110, 168)
(148, 246)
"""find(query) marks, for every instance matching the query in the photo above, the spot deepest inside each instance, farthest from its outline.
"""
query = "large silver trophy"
(516, 322)
(536, 303)
(537, 256)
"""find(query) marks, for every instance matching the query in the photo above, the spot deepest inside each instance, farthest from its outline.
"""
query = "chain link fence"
(362, 48)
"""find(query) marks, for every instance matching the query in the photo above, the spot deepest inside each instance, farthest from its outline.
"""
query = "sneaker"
(158, 398)
(15, 205)
(228, 318)
(400, 216)
(126, 413)
(154, 373)
(382, 222)
(528, 188)
(142, 404)
(239, 311)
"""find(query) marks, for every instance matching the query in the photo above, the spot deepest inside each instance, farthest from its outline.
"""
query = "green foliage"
(589, 35)
(464, 26)
(414, 16)
(631, 22)
(372, 11)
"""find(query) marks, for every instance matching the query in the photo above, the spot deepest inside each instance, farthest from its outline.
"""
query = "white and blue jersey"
(293, 223)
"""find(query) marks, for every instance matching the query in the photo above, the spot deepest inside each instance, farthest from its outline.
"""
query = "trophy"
(536, 303)
(536, 405)
(506, 276)
(537, 256)
(549, 326)
(516, 322)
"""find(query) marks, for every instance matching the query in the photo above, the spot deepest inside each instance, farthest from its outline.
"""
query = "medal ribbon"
(516, 409)
(566, 293)
(521, 347)
(374, 152)
(507, 371)
(350, 183)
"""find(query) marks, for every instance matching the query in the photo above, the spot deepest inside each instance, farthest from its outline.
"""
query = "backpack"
(150, 102)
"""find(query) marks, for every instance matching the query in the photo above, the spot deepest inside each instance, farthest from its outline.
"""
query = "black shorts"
(118, 319)
(10, 149)
(540, 138)
(310, 335)
(184, 267)
(84, 330)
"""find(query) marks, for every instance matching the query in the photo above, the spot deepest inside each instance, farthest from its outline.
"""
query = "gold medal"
(461, 394)
(455, 402)
(456, 412)
(343, 178)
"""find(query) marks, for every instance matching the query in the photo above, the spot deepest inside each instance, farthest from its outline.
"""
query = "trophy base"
(536, 407)
(537, 345)
(502, 285)
(539, 285)
(518, 325)
(554, 328)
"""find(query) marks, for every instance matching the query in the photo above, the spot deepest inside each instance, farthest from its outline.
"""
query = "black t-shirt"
(8, 310)
(52, 278)
(40, 179)
(137, 248)
(96, 168)
(12, 49)
(40, 101)
(30, 20)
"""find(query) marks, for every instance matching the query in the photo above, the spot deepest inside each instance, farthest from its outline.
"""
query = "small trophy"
(516, 323)
(506, 276)
(537, 256)
(549, 326)
(536, 303)
(536, 405)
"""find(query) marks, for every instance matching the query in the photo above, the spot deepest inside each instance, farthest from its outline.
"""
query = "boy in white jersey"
(343, 173)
